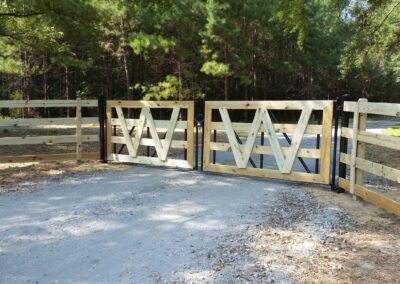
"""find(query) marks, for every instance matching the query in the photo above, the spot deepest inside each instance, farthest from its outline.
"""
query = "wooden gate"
(263, 123)
(144, 130)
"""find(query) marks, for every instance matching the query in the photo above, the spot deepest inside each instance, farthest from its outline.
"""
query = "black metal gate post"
(338, 106)
(102, 125)
(343, 143)
(199, 121)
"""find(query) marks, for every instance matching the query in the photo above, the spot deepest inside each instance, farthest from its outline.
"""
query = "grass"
(393, 130)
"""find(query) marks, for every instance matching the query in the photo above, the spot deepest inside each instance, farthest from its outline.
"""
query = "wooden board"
(175, 144)
(267, 150)
(161, 125)
(28, 122)
(373, 197)
(243, 127)
(151, 104)
(265, 173)
(174, 163)
(271, 105)
(48, 140)
(387, 109)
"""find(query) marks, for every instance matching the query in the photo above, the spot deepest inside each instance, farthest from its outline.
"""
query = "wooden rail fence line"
(79, 122)
(356, 159)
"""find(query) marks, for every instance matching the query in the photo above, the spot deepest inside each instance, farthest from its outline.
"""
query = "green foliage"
(215, 69)
(164, 90)
(142, 43)
(289, 49)
(9, 61)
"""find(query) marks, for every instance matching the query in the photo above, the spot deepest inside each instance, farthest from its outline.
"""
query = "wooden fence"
(356, 158)
(79, 122)
(136, 128)
(262, 123)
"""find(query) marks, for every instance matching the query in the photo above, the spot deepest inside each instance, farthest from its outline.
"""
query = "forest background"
(188, 49)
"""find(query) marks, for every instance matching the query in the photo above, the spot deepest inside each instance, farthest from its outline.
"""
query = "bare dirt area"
(26, 176)
(152, 225)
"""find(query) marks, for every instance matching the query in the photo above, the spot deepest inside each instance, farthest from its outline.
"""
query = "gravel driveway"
(149, 225)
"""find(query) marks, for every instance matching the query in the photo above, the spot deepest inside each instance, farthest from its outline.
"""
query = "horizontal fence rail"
(145, 131)
(356, 158)
(77, 122)
(263, 128)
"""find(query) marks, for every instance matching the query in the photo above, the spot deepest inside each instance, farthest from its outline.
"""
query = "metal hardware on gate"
(102, 136)
(199, 121)
(343, 143)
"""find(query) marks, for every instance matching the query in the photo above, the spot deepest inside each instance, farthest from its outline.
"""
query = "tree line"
(188, 49)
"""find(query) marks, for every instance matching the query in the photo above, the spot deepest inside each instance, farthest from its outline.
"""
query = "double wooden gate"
(131, 124)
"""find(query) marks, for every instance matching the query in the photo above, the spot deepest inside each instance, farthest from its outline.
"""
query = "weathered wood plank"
(237, 154)
(161, 152)
(108, 129)
(190, 134)
(378, 169)
(387, 109)
(271, 105)
(362, 126)
(256, 172)
(50, 140)
(243, 127)
(346, 132)
(375, 198)
(166, 143)
(207, 134)
(175, 144)
(392, 142)
(326, 142)
(251, 138)
(354, 147)
(296, 140)
(273, 140)
(78, 129)
(267, 150)
(151, 104)
(160, 124)
(27, 122)
(125, 131)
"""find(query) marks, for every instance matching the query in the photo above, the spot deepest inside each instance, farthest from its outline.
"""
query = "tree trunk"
(67, 88)
(125, 59)
(179, 81)
(45, 84)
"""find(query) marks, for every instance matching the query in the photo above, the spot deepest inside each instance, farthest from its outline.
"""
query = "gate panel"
(262, 124)
(143, 130)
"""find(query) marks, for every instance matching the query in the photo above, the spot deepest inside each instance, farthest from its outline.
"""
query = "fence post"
(78, 129)
(102, 118)
(362, 126)
(355, 148)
